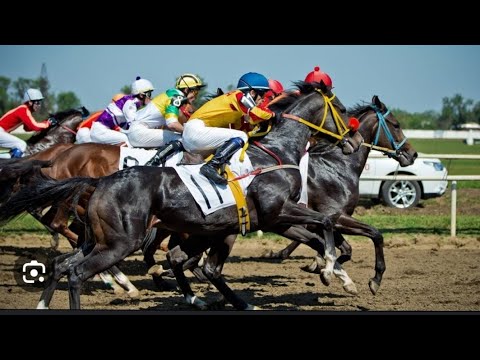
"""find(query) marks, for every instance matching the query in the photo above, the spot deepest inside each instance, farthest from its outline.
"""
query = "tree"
(455, 111)
(126, 89)
(67, 100)
(5, 101)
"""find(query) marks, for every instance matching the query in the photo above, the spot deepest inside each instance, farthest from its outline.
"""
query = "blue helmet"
(254, 81)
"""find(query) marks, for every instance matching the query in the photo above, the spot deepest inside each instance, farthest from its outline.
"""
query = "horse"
(122, 205)
(333, 181)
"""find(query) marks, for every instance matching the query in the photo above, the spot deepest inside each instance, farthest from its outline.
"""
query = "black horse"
(121, 206)
(333, 182)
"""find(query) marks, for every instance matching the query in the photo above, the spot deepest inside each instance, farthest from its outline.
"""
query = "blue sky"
(414, 78)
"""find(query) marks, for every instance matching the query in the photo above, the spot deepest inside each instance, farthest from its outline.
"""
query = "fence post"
(453, 222)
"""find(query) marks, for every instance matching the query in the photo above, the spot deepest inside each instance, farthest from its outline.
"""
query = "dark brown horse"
(123, 205)
(329, 173)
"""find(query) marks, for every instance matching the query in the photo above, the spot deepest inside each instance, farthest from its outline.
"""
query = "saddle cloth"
(209, 196)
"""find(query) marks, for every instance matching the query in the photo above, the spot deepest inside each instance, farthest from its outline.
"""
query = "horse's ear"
(84, 111)
(219, 92)
(323, 87)
(376, 101)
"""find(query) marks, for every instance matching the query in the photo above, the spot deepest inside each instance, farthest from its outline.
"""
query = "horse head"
(64, 132)
(382, 131)
(325, 115)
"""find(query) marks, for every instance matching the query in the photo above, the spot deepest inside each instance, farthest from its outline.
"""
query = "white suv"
(402, 194)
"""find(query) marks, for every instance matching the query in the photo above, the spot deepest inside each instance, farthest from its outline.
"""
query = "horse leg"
(37, 215)
(60, 266)
(124, 282)
(110, 282)
(177, 256)
(148, 257)
(351, 226)
(213, 267)
(101, 258)
(284, 253)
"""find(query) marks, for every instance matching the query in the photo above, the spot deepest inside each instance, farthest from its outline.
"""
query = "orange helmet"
(316, 76)
(117, 97)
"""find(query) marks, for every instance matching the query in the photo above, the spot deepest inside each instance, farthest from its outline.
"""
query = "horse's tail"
(15, 168)
(43, 191)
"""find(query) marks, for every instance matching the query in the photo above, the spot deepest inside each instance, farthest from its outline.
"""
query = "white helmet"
(140, 86)
(32, 95)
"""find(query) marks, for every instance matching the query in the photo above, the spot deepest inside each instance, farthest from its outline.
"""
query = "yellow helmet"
(189, 81)
(117, 97)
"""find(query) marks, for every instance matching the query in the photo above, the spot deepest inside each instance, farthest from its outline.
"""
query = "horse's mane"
(61, 116)
(359, 109)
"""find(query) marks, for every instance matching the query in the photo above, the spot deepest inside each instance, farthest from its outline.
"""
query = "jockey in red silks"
(32, 101)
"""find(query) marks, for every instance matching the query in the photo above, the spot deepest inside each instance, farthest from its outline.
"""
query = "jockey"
(276, 89)
(121, 113)
(83, 130)
(158, 124)
(214, 124)
(32, 100)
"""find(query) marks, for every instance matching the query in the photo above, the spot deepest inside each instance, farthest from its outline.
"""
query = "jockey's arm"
(29, 122)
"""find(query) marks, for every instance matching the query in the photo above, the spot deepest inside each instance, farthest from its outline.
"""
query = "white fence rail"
(452, 178)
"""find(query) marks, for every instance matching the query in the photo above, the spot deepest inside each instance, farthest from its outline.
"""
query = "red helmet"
(316, 76)
(276, 86)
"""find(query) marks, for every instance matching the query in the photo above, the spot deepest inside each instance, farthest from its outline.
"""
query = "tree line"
(456, 110)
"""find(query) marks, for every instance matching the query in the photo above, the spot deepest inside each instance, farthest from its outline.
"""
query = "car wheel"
(401, 194)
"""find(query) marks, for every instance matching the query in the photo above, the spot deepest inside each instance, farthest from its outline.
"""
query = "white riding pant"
(198, 137)
(83, 136)
(304, 175)
(101, 134)
(140, 135)
(10, 141)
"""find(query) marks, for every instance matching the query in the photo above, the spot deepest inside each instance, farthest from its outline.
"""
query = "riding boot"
(164, 152)
(16, 153)
(215, 168)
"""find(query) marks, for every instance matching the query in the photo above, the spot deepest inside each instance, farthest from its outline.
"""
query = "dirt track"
(428, 275)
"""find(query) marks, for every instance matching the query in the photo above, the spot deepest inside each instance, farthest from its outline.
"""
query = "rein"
(68, 129)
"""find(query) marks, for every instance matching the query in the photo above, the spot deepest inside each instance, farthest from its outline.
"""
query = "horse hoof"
(253, 307)
(134, 294)
(313, 268)
(325, 277)
(350, 288)
(374, 286)
(196, 302)
(156, 269)
(41, 306)
(117, 290)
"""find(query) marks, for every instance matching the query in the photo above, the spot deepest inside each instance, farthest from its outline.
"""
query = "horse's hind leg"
(60, 266)
(101, 258)
(213, 267)
(148, 256)
(178, 256)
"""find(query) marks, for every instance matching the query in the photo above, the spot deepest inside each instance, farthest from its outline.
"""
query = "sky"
(414, 78)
